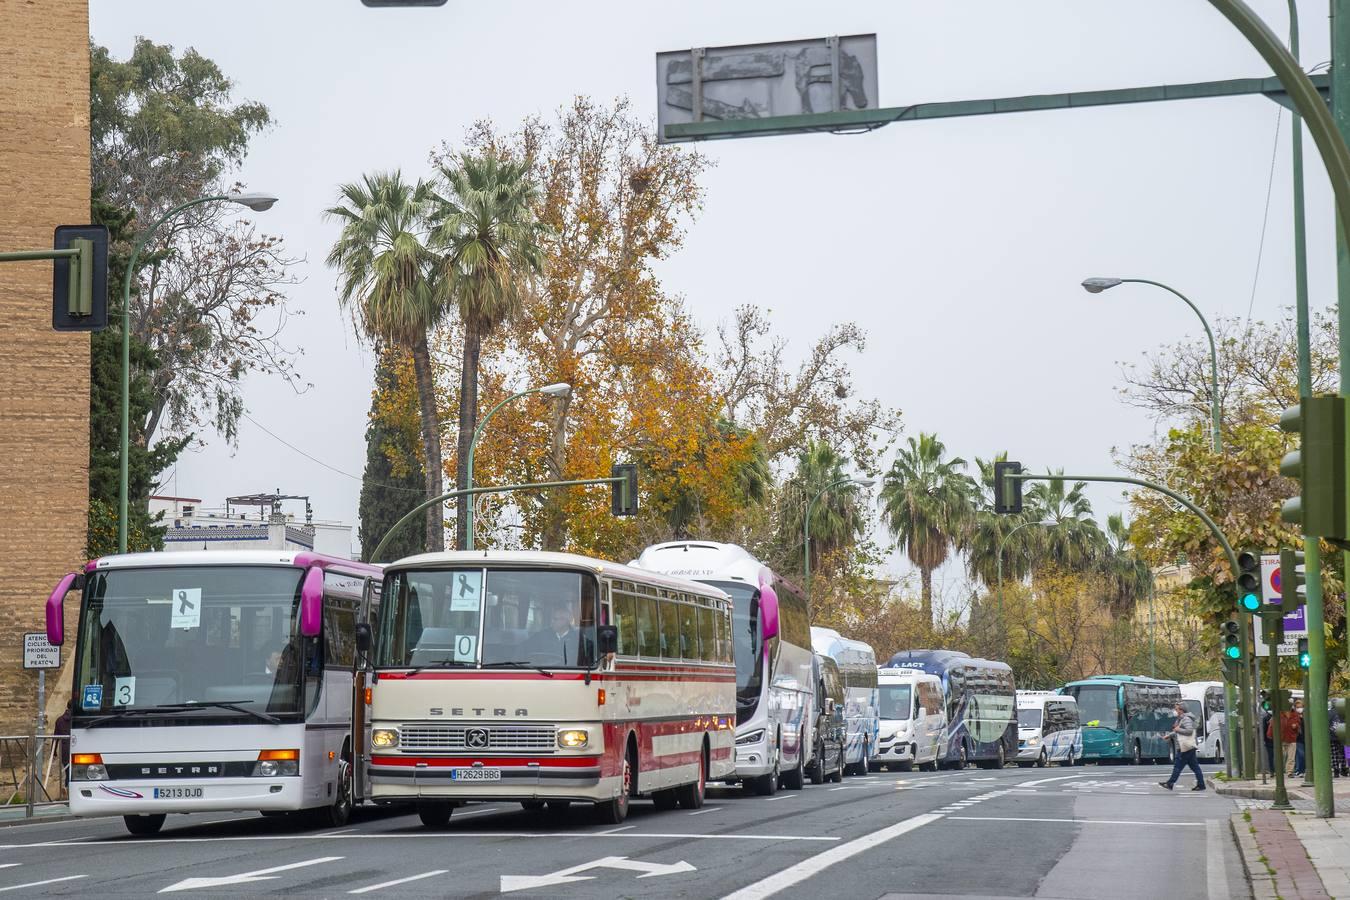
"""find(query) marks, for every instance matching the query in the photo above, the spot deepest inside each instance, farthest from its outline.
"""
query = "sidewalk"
(16, 815)
(1293, 854)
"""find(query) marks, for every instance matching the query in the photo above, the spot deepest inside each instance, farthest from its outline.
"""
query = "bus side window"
(649, 627)
(707, 634)
(688, 627)
(670, 628)
(625, 619)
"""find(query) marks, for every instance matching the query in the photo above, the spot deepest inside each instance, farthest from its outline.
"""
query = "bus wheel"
(1138, 758)
(690, 796)
(144, 825)
(1068, 760)
(435, 814)
(558, 806)
(613, 812)
(1218, 752)
(665, 800)
(963, 758)
(339, 812)
(1043, 761)
(796, 779)
(817, 772)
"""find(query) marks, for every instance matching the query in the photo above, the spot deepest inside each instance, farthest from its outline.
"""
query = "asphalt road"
(1083, 833)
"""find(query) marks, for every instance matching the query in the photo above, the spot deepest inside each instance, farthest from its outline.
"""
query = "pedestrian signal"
(1304, 657)
(1293, 580)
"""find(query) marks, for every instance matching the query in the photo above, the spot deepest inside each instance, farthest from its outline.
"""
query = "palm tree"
(484, 227)
(1129, 576)
(928, 502)
(836, 518)
(385, 280)
(1071, 538)
(991, 530)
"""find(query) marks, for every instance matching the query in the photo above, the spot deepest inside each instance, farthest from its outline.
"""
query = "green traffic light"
(1233, 652)
(1304, 660)
(1251, 602)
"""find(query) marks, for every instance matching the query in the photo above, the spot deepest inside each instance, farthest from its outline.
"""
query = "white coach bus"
(1205, 701)
(1048, 730)
(217, 680)
(547, 678)
(857, 663)
(775, 693)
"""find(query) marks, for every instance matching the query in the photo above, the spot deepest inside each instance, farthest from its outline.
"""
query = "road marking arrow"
(190, 884)
(564, 876)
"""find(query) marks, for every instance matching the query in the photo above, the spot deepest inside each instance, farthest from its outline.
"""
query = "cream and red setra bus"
(547, 678)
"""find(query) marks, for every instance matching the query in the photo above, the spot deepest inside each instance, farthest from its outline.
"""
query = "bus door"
(368, 614)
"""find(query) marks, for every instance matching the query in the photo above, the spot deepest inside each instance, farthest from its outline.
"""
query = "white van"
(1205, 701)
(913, 720)
(1048, 730)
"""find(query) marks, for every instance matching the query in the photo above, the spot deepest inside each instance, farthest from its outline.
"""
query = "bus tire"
(817, 770)
(1218, 751)
(435, 813)
(339, 812)
(1043, 761)
(690, 796)
(1068, 760)
(665, 799)
(613, 812)
(796, 779)
(1138, 758)
(143, 826)
(962, 758)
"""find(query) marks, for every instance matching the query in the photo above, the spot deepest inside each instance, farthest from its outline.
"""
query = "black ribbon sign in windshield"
(184, 603)
(465, 589)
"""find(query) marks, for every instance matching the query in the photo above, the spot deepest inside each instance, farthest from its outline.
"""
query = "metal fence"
(33, 770)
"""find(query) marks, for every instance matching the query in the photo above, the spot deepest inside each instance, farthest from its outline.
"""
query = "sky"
(958, 244)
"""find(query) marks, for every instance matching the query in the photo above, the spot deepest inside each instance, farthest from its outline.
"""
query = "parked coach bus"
(857, 664)
(1125, 717)
(217, 680)
(775, 697)
(1048, 730)
(1206, 702)
(546, 678)
(981, 711)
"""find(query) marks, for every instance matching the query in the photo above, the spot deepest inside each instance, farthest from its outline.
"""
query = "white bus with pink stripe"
(548, 678)
(775, 687)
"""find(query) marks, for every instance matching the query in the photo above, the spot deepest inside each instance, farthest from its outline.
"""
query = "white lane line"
(615, 830)
(820, 862)
(1075, 821)
(782, 797)
(475, 812)
(16, 887)
(9, 865)
(706, 809)
(1027, 784)
(339, 831)
(1216, 873)
(385, 884)
(440, 836)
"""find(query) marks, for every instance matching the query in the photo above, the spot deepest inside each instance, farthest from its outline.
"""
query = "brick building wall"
(44, 392)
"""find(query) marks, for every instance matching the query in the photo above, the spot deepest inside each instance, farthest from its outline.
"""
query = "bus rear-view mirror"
(363, 638)
(56, 610)
(768, 609)
(607, 639)
(311, 603)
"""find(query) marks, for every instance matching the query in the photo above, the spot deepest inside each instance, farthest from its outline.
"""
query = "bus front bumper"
(149, 797)
(563, 778)
(897, 748)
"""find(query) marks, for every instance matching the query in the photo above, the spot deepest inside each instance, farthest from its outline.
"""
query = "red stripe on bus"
(559, 762)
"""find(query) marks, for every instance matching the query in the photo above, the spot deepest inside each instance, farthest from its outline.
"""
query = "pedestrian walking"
(1266, 717)
(1182, 737)
(1299, 752)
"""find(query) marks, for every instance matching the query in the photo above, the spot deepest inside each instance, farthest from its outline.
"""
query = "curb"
(1259, 878)
(1264, 792)
(7, 822)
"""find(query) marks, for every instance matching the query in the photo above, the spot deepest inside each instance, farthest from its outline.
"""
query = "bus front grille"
(507, 738)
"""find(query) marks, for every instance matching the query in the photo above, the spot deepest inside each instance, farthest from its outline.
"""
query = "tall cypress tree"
(389, 490)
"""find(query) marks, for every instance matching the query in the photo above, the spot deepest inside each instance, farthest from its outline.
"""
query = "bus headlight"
(87, 767)
(277, 763)
(1033, 741)
(384, 737)
(573, 739)
(753, 737)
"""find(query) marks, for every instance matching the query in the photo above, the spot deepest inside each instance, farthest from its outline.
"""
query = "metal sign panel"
(38, 654)
(1295, 623)
(760, 81)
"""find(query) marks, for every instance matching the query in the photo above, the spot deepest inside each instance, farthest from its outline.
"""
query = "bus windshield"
(159, 637)
(448, 618)
(1029, 717)
(895, 702)
(1099, 705)
(748, 648)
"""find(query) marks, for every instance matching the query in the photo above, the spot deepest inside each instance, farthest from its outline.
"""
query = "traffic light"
(1007, 491)
(1304, 657)
(1230, 648)
(624, 494)
(1338, 712)
(1249, 581)
(1319, 465)
(1293, 580)
(80, 283)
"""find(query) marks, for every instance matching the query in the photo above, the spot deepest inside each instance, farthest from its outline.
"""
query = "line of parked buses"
(297, 684)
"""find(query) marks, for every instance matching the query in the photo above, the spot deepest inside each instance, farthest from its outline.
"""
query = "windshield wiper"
(186, 706)
(235, 705)
(517, 664)
(441, 664)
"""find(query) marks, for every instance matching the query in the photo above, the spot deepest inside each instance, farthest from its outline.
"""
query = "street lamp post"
(998, 562)
(561, 389)
(806, 524)
(1097, 285)
(255, 202)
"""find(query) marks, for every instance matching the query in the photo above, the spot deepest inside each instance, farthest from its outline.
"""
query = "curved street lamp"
(806, 524)
(560, 389)
(254, 201)
(1098, 284)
